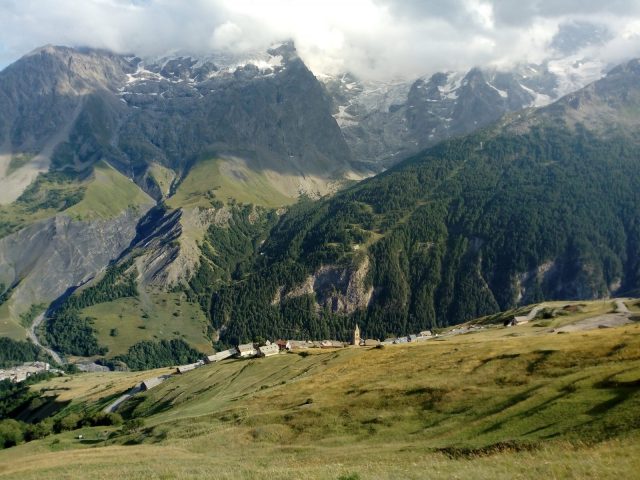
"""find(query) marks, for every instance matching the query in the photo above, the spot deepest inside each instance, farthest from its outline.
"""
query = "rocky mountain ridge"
(384, 122)
(64, 111)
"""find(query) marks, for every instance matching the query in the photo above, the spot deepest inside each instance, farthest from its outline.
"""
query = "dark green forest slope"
(544, 206)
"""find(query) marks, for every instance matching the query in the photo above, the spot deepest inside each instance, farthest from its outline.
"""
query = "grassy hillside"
(156, 316)
(163, 177)
(108, 194)
(9, 326)
(105, 194)
(222, 180)
(49, 194)
(521, 402)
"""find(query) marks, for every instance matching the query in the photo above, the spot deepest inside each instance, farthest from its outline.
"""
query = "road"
(531, 315)
(31, 333)
(621, 307)
(114, 406)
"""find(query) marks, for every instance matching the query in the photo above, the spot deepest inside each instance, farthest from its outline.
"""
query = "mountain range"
(228, 198)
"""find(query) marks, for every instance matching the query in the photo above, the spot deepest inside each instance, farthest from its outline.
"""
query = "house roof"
(273, 348)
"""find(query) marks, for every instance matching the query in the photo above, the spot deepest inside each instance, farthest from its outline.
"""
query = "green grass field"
(163, 176)
(219, 179)
(10, 326)
(520, 402)
(108, 194)
(158, 316)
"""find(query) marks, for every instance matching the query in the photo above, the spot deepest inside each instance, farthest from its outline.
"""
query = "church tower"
(356, 336)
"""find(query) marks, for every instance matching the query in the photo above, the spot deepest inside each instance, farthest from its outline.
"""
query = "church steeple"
(356, 336)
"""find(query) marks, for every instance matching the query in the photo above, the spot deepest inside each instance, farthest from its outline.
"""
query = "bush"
(38, 430)
(70, 422)
(349, 476)
(11, 433)
(132, 426)
(101, 419)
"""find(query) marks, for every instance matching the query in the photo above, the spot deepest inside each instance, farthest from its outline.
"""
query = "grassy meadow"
(520, 402)
(154, 316)
(108, 194)
(219, 179)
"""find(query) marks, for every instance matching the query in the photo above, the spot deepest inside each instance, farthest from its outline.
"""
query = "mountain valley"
(227, 185)
(402, 243)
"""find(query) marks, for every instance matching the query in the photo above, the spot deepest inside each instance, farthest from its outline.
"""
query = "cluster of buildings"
(419, 337)
(24, 371)
(251, 350)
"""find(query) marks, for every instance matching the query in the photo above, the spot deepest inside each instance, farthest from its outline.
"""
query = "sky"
(375, 39)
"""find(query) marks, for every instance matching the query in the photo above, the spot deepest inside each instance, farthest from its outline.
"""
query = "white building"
(269, 350)
(247, 350)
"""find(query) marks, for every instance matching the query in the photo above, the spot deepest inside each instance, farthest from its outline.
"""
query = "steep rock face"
(341, 290)
(39, 93)
(43, 260)
(86, 106)
(170, 242)
(271, 112)
(48, 102)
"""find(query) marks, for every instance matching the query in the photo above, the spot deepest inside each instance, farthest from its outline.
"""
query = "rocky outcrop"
(526, 283)
(341, 290)
(170, 242)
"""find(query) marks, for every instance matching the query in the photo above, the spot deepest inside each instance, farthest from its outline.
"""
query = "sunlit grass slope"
(156, 316)
(516, 402)
(9, 326)
(222, 180)
(108, 194)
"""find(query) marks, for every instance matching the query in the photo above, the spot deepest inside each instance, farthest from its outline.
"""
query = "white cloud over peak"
(372, 38)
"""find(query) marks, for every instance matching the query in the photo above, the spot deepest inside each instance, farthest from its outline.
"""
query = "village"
(252, 350)
(21, 372)
(268, 349)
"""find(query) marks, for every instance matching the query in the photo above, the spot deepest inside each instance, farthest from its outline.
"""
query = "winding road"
(621, 307)
(111, 408)
(531, 315)
(31, 333)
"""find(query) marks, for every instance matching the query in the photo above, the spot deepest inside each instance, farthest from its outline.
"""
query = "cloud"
(372, 38)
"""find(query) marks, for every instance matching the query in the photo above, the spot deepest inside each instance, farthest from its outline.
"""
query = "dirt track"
(622, 316)
(31, 333)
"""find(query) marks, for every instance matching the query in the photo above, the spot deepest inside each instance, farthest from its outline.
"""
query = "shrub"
(11, 433)
(70, 422)
(133, 425)
(38, 430)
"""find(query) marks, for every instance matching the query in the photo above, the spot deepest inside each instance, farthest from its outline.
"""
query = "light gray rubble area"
(46, 258)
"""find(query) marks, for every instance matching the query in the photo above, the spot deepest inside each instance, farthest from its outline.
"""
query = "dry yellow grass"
(613, 459)
(91, 387)
(499, 403)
